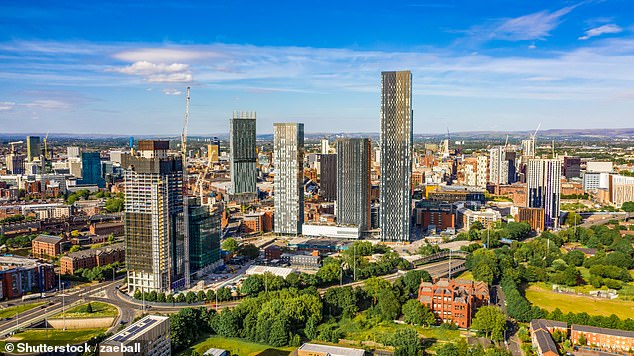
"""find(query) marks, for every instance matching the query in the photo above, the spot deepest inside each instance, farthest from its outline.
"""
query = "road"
(513, 342)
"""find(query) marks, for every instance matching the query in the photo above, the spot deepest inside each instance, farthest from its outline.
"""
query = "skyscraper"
(543, 186)
(242, 151)
(153, 204)
(325, 147)
(288, 184)
(396, 155)
(498, 166)
(91, 169)
(33, 149)
(204, 235)
(327, 176)
(353, 177)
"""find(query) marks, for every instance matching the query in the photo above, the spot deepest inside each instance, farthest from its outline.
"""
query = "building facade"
(22, 275)
(91, 169)
(33, 148)
(288, 185)
(91, 258)
(454, 301)
(46, 246)
(327, 176)
(204, 236)
(353, 175)
(149, 336)
(243, 153)
(396, 155)
(543, 187)
(153, 204)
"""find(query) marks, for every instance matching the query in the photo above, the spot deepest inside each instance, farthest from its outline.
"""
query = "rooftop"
(137, 329)
(49, 239)
(604, 331)
(332, 350)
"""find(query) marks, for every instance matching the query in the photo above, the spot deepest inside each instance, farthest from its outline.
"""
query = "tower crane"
(13, 145)
(185, 189)
(45, 146)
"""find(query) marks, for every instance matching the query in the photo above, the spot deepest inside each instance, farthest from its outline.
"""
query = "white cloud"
(535, 26)
(6, 105)
(157, 73)
(49, 104)
(601, 30)
(172, 92)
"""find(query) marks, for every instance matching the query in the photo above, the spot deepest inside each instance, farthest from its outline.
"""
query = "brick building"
(92, 258)
(272, 252)
(46, 246)
(533, 216)
(454, 301)
(515, 191)
(440, 215)
(107, 228)
(541, 331)
(21, 275)
(607, 339)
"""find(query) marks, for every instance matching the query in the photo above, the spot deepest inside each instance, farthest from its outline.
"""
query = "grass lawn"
(466, 275)
(240, 347)
(12, 311)
(549, 300)
(55, 337)
(99, 310)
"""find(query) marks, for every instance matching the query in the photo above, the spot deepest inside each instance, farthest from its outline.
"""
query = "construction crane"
(13, 145)
(185, 188)
(45, 146)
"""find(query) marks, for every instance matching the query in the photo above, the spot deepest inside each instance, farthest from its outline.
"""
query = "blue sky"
(121, 67)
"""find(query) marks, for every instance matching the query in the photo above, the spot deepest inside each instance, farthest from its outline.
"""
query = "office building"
(33, 148)
(288, 184)
(149, 336)
(153, 184)
(327, 176)
(204, 236)
(543, 186)
(242, 153)
(91, 169)
(15, 163)
(353, 177)
(620, 189)
(454, 301)
(396, 155)
(572, 167)
(597, 175)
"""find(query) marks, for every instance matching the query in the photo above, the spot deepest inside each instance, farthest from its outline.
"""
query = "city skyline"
(566, 64)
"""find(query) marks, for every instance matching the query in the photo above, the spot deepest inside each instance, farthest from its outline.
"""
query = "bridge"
(440, 256)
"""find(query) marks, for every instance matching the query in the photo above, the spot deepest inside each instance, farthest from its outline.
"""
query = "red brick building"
(440, 215)
(272, 252)
(92, 258)
(107, 228)
(454, 301)
(46, 246)
(606, 339)
(21, 275)
(533, 216)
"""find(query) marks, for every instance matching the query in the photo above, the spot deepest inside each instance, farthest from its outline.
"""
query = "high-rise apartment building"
(327, 176)
(498, 166)
(153, 204)
(288, 184)
(543, 186)
(73, 151)
(572, 167)
(91, 169)
(33, 149)
(396, 155)
(482, 171)
(353, 187)
(528, 148)
(242, 153)
(325, 147)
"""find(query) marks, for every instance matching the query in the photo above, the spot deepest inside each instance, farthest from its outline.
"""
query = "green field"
(466, 275)
(99, 310)
(240, 347)
(55, 337)
(549, 300)
(12, 311)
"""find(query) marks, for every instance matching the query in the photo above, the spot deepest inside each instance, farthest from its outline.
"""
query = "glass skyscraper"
(353, 177)
(288, 184)
(242, 152)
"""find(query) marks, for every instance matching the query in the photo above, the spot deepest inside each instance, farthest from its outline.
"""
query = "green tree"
(310, 330)
(329, 273)
(628, 206)
(252, 285)
(230, 245)
(211, 295)
(388, 305)
(406, 342)
(279, 332)
(201, 296)
(74, 248)
(374, 285)
(414, 312)
(448, 349)
(573, 219)
(89, 308)
(114, 205)
(250, 251)
(491, 321)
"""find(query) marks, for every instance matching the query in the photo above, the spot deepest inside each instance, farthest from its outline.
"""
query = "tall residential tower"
(353, 175)
(288, 184)
(396, 155)
(242, 151)
(153, 204)
(543, 186)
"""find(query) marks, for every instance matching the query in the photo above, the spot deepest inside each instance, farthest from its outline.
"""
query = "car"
(122, 322)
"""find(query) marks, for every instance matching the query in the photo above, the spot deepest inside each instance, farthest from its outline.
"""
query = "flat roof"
(137, 329)
(332, 350)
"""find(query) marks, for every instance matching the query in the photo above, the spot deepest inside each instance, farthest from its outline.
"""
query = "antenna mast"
(185, 192)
